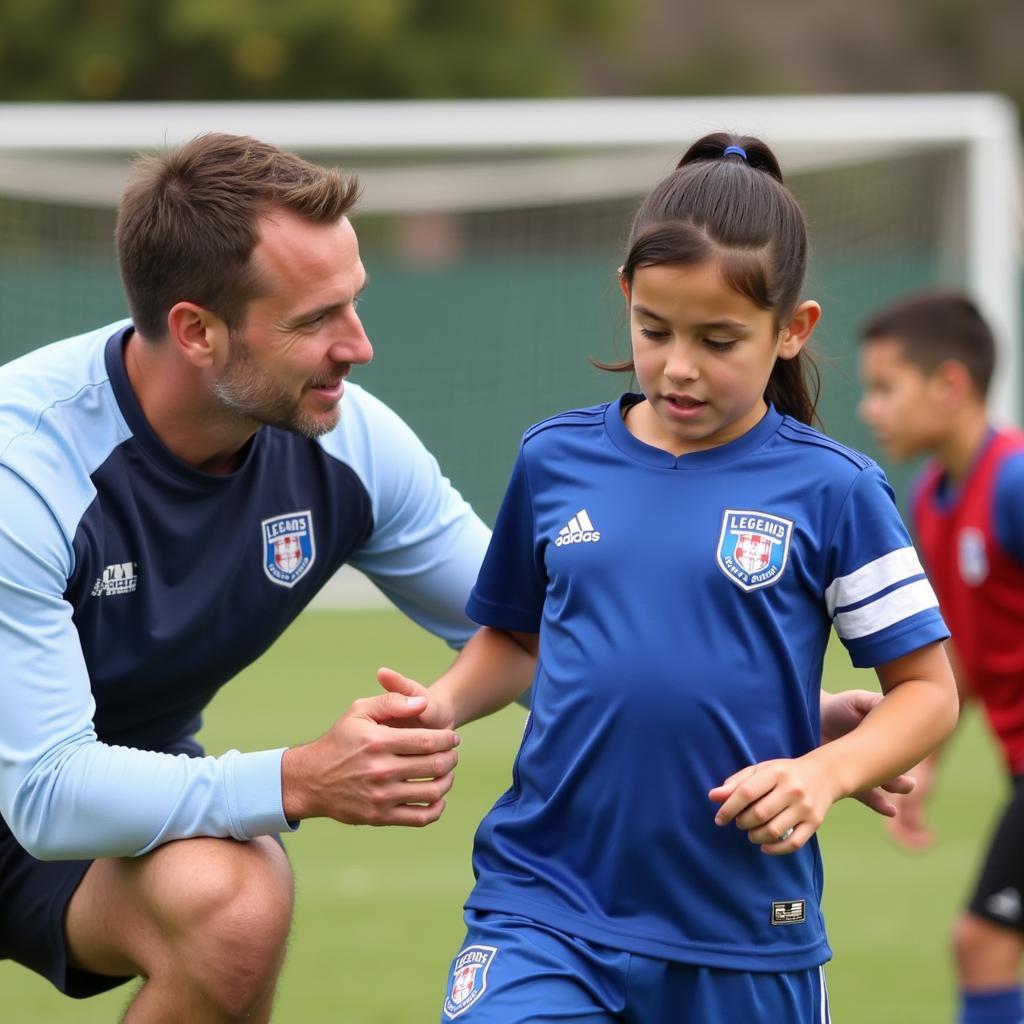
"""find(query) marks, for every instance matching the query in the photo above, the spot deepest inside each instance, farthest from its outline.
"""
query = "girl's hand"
(436, 715)
(779, 803)
(910, 827)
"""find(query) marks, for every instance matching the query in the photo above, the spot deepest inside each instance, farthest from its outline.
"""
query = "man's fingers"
(413, 815)
(391, 705)
(410, 742)
(408, 768)
(426, 792)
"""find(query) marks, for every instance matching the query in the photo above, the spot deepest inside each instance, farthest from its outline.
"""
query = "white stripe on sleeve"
(871, 578)
(888, 609)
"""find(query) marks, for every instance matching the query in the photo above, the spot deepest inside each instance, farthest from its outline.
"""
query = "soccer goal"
(492, 230)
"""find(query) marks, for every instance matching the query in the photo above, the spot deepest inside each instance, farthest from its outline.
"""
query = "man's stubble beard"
(254, 396)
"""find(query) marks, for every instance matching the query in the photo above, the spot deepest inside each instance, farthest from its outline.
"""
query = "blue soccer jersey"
(132, 586)
(683, 606)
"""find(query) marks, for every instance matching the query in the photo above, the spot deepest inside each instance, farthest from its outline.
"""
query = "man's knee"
(226, 909)
(196, 883)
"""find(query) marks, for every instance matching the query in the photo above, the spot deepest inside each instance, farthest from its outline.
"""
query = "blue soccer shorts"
(511, 970)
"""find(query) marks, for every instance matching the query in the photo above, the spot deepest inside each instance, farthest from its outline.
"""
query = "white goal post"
(541, 151)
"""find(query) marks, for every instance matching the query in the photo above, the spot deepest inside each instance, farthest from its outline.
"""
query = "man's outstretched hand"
(365, 770)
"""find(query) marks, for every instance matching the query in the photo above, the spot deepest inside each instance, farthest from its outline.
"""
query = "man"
(175, 489)
(926, 363)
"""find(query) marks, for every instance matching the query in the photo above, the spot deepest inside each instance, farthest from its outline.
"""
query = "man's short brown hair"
(187, 224)
(933, 327)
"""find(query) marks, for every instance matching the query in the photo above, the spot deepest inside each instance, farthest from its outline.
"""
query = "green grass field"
(379, 911)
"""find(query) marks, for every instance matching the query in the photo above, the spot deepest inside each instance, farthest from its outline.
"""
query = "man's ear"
(798, 331)
(199, 335)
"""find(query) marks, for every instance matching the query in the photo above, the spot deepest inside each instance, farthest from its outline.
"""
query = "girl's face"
(703, 354)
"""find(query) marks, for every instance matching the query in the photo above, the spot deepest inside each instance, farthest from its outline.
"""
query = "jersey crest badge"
(971, 556)
(753, 547)
(289, 547)
(469, 979)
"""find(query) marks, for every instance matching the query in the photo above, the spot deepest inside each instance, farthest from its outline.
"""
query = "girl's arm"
(492, 670)
(910, 827)
(845, 710)
(790, 797)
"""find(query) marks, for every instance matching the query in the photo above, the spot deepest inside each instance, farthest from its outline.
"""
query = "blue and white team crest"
(469, 979)
(753, 548)
(289, 548)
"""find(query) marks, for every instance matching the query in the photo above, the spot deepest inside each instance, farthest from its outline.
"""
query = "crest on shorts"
(289, 548)
(753, 547)
(469, 979)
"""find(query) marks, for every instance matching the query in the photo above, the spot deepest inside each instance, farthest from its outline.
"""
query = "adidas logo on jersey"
(119, 578)
(579, 530)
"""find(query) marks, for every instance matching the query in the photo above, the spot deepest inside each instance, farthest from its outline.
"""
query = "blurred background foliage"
(393, 49)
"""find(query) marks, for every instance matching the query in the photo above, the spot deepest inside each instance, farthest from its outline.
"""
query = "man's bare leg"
(203, 921)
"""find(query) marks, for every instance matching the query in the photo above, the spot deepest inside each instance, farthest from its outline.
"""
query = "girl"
(678, 557)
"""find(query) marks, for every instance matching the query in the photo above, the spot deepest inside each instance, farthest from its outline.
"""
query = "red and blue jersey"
(971, 539)
(684, 606)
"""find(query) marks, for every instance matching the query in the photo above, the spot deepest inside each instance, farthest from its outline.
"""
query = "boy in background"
(926, 364)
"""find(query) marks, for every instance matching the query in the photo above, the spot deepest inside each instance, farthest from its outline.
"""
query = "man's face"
(287, 361)
(901, 402)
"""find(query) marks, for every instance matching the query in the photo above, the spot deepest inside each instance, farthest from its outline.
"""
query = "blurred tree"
(304, 49)
(396, 49)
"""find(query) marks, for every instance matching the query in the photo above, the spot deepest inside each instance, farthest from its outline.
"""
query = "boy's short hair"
(933, 327)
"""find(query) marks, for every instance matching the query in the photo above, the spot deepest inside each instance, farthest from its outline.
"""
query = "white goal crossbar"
(561, 150)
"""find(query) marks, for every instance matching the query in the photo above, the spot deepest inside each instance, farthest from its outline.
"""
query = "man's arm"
(66, 795)
(427, 543)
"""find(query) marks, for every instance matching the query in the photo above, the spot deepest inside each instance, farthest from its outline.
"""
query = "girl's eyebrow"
(644, 311)
(726, 325)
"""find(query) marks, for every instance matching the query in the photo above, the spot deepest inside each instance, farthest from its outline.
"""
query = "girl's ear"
(798, 331)
(623, 284)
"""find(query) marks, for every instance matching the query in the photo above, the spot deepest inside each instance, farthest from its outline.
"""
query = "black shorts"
(34, 895)
(999, 894)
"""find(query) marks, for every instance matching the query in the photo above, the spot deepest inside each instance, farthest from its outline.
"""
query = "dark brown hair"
(932, 327)
(187, 224)
(734, 208)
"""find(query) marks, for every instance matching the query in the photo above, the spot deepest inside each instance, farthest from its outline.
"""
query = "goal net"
(492, 231)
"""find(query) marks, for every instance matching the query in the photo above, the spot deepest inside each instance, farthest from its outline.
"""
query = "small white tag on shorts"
(789, 911)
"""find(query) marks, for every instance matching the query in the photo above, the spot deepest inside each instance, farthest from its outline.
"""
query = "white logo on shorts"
(1004, 904)
(469, 979)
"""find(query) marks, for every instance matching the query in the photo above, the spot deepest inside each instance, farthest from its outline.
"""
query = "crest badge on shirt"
(972, 557)
(469, 979)
(289, 547)
(753, 547)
